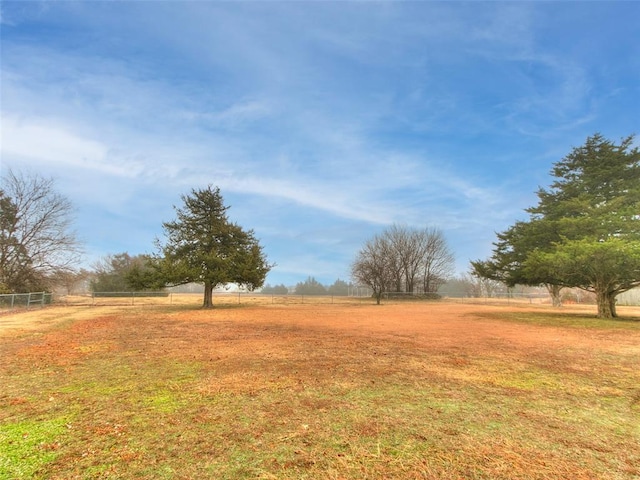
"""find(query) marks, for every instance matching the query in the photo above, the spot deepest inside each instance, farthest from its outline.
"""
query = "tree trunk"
(606, 304)
(554, 291)
(208, 295)
(378, 295)
(612, 300)
(409, 285)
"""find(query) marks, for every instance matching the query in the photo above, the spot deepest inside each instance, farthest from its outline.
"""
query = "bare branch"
(35, 236)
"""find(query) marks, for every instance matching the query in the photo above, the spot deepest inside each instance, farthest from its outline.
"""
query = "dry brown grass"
(424, 391)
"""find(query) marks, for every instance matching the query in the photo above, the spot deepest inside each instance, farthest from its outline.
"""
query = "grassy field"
(403, 391)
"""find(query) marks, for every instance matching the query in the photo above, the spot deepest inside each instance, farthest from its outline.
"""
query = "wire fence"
(41, 299)
(459, 297)
(253, 298)
(25, 300)
(195, 299)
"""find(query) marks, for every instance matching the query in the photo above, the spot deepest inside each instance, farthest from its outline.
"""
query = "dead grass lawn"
(416, 391)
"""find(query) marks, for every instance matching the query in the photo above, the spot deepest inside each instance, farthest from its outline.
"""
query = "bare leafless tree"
(36, 240)
(408, 248)
(437, 260)
(374, 267)
(396, 241)
(404, 259)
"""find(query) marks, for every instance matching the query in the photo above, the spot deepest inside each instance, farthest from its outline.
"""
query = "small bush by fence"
(25, 300)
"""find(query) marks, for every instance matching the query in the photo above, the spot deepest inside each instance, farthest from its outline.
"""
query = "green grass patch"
(26, 446)
(561, 319)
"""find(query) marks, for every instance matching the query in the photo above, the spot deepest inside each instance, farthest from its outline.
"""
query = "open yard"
(319, 391)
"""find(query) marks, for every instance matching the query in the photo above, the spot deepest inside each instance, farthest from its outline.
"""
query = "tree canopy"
(585, 230)
(203, 246)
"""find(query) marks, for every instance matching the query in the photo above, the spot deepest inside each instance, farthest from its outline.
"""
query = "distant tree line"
(311, 286)
(281, 289)
(123, 272)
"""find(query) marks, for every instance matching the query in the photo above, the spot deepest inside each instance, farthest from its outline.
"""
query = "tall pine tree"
(585, 230)
(204, 246)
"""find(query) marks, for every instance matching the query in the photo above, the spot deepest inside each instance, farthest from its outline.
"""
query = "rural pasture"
(429, 390)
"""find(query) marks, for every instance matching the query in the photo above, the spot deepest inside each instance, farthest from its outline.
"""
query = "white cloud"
(48, 143)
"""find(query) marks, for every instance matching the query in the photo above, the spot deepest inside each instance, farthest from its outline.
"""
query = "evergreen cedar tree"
(203, 246)
(585, 230)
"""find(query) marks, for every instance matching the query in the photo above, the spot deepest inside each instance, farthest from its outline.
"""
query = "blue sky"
(321, 122)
